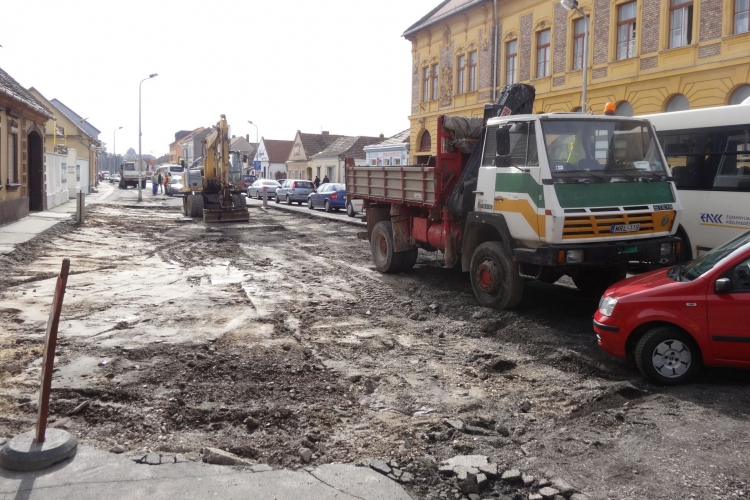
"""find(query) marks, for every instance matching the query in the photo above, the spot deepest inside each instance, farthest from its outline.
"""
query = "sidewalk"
(36, 223)
(96, 474)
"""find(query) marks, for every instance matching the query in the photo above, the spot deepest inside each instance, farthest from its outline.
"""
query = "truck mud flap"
(226, 215)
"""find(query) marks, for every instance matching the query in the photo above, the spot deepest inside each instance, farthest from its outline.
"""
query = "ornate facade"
(647, 56)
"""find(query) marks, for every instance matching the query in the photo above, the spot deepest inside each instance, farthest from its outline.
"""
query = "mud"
(267, 337)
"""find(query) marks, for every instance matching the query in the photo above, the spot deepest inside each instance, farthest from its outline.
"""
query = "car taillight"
(294, 185)
(334, 196)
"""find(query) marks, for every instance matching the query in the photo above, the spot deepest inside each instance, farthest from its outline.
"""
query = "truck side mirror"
(723, 285)
(502, 143)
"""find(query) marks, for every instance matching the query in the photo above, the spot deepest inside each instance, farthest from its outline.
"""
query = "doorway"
(36, 172)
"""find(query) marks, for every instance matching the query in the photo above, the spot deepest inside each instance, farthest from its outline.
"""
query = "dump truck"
(212, 189)
(129, 174)
(516, 196)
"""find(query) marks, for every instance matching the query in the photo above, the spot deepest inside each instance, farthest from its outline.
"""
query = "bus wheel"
(381, 246)
(495, 277)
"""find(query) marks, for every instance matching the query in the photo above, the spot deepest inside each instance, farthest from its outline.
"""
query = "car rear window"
(270, 183)
(338, 187)
(304, 184)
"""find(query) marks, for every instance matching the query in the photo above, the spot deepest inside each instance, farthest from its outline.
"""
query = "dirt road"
(265, 338)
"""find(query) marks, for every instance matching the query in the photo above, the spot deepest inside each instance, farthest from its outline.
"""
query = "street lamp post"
(114, 150)
(257, 144)
(140, 156)
(573, 5)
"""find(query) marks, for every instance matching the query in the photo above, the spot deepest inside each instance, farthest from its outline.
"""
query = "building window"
(579, 30)
(741, 16)
(740, 94)
(472, 71)
(624, 109)
(542, 53)
(434, 81)
(397, 161)
(678, 103)
(461, 74)
(425, 84)
(12, 158)
(680, 23)
(511, 59)
(626, 30)
(425, 142)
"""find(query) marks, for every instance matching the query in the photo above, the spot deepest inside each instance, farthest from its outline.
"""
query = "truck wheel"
(350, 209)
(238, 200)
(667, 356)
(408, 259)
(381, 246)
(593, 281)
(121, 185)
(195, 205)
(495, 277)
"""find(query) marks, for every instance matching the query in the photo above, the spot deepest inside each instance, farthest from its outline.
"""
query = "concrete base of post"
(23, 453)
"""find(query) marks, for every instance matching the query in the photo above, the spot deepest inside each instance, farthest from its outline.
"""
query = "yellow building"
(647, 56)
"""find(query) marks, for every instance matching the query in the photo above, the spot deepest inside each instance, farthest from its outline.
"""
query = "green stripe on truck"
(613, 195)
(520, 183)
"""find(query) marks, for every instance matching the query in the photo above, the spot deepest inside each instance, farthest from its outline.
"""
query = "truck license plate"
(625, 228)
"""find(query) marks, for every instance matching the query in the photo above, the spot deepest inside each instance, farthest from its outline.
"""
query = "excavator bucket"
(238, 214)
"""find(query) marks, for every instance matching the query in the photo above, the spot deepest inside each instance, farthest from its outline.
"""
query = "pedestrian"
(326, 180)
(159, 181)
(154, 184)
(316, 182)
(166, 183)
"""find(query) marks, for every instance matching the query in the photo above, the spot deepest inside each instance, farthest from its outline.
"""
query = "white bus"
(708, 151)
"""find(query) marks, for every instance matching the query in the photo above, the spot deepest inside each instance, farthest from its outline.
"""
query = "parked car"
(353, 207)
(175, 185)
(675, 320)
(105, 176)
(248, 180)
(292, 190)
(330, 196)
(256, 189)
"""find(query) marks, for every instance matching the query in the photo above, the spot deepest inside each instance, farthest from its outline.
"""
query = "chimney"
(233, 136)
(325, 132)
(382, 136)
(247, 137)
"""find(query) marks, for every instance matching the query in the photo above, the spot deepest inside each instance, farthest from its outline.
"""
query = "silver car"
(175, 185)
(257, 187)
(292, 190)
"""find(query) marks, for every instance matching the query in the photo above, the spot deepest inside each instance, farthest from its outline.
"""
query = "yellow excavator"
(213, 188)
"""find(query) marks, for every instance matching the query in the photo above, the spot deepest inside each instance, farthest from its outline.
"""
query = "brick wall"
(560, 30)
(651, 23)
(598, 73)
(709, 50)
(485, 59)
(649, 62)
(445, 81)
(711, 17)
(601, 32)
(558, 80)
(524, 51)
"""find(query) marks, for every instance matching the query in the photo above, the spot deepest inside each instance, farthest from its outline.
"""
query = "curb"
(311, 213)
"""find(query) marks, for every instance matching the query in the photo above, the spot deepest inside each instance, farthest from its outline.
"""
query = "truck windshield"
(602, 151)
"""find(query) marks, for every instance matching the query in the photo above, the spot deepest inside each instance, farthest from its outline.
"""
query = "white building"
(270, 159)
(394, 151)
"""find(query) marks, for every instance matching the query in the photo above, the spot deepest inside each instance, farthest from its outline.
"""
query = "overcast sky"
(339, 65)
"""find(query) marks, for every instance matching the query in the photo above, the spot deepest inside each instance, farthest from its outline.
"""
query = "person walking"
(159, 181)
(326, 180)
(154, 184)
(316, 182)
(166, 183)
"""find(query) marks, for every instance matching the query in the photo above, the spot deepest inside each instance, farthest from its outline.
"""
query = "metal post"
(114, 150)
(140, 156)
(265, 197)
(585, 60)
(48, 360)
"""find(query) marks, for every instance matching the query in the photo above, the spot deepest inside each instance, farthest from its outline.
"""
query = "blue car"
(329, 196)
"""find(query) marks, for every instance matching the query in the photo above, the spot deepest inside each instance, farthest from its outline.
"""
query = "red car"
(678, 319)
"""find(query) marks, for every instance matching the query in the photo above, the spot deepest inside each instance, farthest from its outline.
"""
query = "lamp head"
(153, 75)
(569, 4)
(251, 123)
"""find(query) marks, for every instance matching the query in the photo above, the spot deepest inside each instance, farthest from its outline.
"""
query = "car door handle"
(481, 193)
